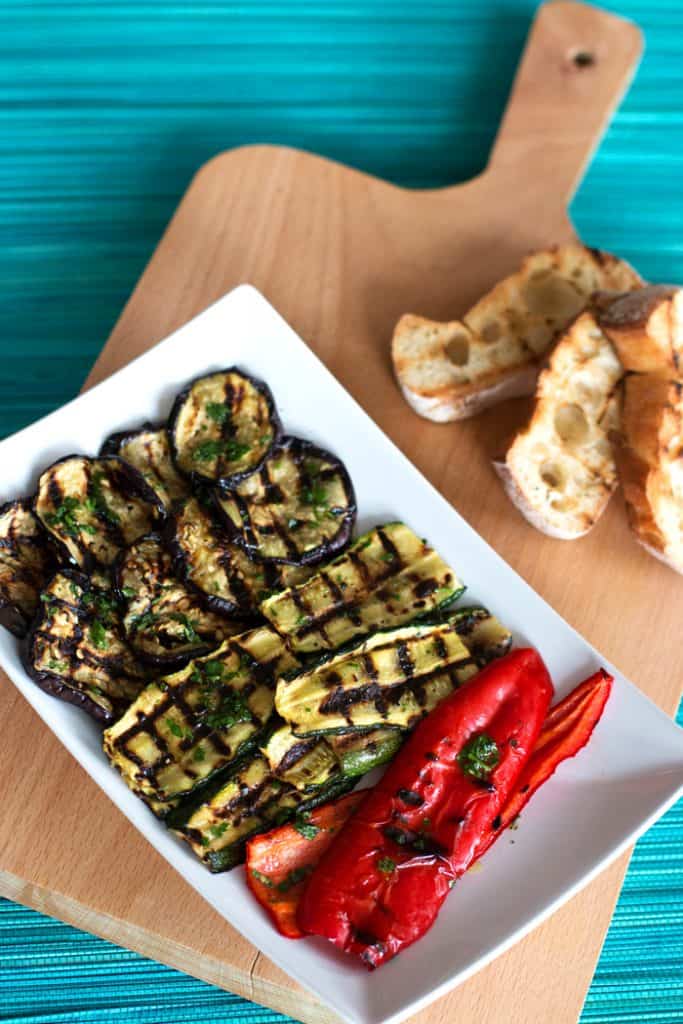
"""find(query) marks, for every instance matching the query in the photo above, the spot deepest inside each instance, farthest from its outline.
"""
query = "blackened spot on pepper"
(408, 796)
(497, 822)
(513, 742)
(430, 756)
(524, 789)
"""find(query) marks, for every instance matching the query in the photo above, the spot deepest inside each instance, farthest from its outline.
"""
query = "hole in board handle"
(581, 58)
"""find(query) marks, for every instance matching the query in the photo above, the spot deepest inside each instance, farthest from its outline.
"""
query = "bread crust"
(647, 450)
(451, 371)
(646, 328)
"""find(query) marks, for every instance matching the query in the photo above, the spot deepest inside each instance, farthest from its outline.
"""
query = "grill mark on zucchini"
(389, 577)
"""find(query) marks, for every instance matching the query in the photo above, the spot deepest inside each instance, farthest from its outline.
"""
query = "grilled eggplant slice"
(251, 801)
(299, 507)
(26, 563)
(386, 578)
(228, 580)
(75, 649)
(303, 763)
(94, 508)
(393, 678)
(148, 450)
(186, 727)
(165, 624)
(222, 426)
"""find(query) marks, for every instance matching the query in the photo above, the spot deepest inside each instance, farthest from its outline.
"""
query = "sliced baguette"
(648, 454)
(449, 371)
(646, 328)
(559, 470)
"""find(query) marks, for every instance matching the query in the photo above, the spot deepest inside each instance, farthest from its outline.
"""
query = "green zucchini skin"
(165, 623)
(388, 577)
(76, 650)
(218, 570)
(93, 508)
(360, 753)
(186, 727)
(146, 448)
(26, 563)
(222, 426)
(299, 508)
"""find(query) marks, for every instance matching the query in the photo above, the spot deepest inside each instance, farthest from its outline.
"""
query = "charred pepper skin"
(379, 887)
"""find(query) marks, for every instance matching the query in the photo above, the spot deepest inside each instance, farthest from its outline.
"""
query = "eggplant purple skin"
(136, 486)
(12, 617)
(55, 685)
(273, 415)
(324, 551)
(168, 662)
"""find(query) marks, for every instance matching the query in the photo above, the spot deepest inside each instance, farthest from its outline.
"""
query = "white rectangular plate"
(591, 810)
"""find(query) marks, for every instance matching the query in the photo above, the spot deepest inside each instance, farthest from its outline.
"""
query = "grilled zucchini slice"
(165, 624)
(483, 635)
(251, 801)
(26, 562)
(186, 727)
(218, 569)
(303, 763)
(76, 649)
(147, 449)
(386, 578)
(392, 678)
(222, 426)
(359, 751)
(299, 507)
(94, 508)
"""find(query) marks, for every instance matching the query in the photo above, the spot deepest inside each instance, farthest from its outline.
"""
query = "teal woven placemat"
(106, 111)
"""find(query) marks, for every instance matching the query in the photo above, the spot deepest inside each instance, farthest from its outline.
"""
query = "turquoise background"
(106, 110)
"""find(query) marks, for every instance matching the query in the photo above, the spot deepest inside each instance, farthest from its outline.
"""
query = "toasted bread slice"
(646, 328)
(449, 371)
(560, 470)
(648, 453)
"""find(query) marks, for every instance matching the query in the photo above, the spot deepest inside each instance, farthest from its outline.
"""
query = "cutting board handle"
(575, 68)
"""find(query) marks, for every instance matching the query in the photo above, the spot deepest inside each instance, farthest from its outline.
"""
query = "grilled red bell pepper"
(380, 885)
(279, 862)
(567, 728)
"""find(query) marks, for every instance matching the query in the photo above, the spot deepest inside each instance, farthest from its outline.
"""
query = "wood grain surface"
(342, 255)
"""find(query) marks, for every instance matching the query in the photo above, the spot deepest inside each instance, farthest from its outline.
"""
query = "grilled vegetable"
(252, 800)
(26, 561)
(280, 862)
(222, 426)
(484, 637)
(187, 726)
(386, 578)
(392, 678)
(76, 650)
(359, 751)
(165, 624)
(228, 580)
(482, 634)
(298, 508)
(147, 449)
(381, 883)
(304, 763)
(94, 508)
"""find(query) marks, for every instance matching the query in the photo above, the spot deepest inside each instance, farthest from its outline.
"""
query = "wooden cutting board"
(342, 256)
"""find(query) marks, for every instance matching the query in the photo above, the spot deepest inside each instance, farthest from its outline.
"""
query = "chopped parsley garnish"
(189, 632)
(64, 517)
(207, 451)
(232, 708)
(128, 592)
(75, 590)
(177, 730)
(388, 556)
(217, 412)
(218, 830)
(362, 545)
(59, 666)
(305, 827)
(198, 754)
(295, 876)
(386, 865)
(97, 503)
(98, 635)
(479, 756)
